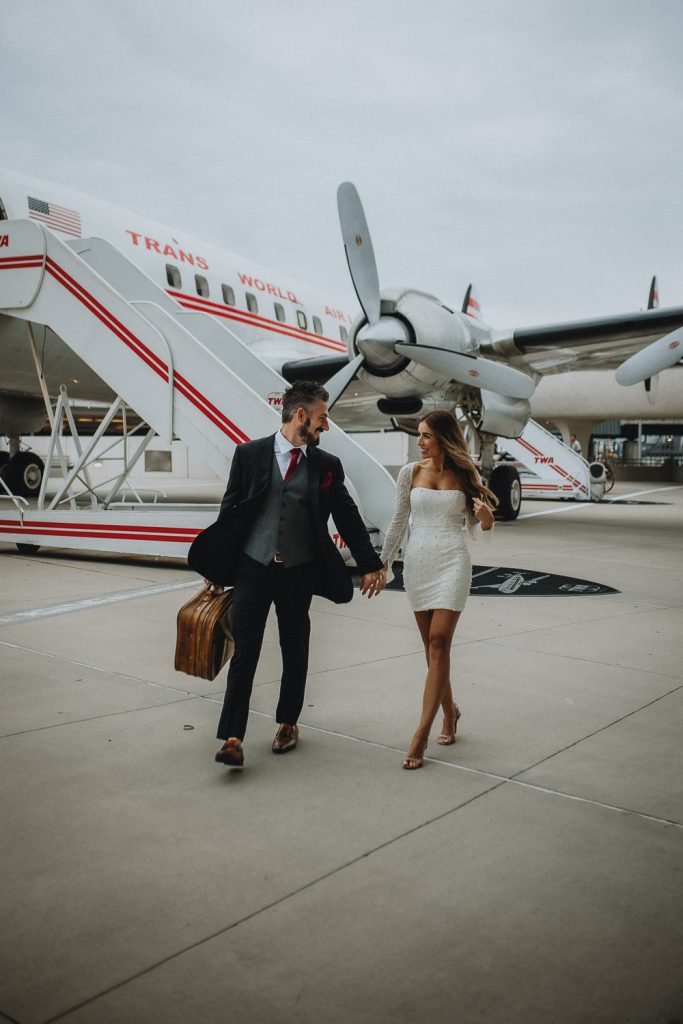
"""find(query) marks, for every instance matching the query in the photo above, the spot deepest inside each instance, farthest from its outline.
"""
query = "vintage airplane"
(406, 352)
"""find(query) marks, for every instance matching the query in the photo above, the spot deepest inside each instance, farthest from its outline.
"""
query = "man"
(271, 543)
(575, 444)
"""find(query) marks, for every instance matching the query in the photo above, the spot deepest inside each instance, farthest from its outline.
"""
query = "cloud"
(533, 146)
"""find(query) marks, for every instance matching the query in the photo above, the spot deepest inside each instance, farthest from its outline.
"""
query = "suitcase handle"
(213, 588)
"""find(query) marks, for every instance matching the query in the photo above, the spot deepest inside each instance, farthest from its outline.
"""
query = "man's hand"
(218, 589)
(373, 582)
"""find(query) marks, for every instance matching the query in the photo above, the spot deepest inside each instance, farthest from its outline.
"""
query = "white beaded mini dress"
(437, 569)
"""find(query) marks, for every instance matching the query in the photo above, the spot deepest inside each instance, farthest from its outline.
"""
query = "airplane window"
(252, 304)
(317, 326)
(228, 295)
(202, 286)
(279, 312)
(173, 276)
(301, 317)
(343, 333)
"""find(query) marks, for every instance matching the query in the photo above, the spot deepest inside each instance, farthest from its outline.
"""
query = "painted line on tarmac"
(636, 494)
(576, 507)
(31, 614)
(477, 771)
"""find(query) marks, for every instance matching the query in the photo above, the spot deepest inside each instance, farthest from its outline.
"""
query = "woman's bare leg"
(424, 622)
(437, 685)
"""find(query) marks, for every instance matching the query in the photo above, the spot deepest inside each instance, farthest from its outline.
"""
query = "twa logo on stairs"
(553, 469)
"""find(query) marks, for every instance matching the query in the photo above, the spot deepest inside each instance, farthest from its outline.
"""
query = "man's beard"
(305, 434)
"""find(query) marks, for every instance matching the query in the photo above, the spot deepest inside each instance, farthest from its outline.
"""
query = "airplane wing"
(597, 344)
(593, 344)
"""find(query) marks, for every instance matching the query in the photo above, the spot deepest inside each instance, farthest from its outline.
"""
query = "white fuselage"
(594, 395)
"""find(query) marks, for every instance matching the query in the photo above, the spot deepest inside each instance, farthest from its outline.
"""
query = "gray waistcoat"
(283, 523)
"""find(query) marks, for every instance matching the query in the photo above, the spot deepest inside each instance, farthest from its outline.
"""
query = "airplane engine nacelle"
(416, 318)
(19, 415)
(503, 416)
(598, 479)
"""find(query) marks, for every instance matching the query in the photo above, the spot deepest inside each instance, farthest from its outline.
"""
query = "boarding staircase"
(187, 375)
(550, 468)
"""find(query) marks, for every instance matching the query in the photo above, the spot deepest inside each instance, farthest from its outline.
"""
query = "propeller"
(337, 385)
(660, 355)
(360, 255)
(482, 373)
(652, 303)
(385, 337)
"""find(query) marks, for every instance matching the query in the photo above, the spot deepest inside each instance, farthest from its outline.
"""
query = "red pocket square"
(326, 481)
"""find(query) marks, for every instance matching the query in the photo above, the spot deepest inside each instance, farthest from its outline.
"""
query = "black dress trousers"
(257, 587)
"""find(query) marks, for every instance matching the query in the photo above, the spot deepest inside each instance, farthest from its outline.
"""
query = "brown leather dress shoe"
(286, 738)
(231, 754)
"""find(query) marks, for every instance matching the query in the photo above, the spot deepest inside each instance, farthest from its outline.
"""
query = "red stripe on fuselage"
(252, 320)
(98, 534)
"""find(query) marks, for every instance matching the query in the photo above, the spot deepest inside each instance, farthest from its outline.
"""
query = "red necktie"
(293, 460)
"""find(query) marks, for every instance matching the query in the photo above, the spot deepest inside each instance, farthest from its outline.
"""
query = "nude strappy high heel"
(411, 762)
(446, 738)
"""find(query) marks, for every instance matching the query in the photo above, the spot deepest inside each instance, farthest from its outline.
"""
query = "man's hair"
(302, 393)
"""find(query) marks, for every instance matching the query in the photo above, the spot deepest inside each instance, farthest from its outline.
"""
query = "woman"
(442, 496)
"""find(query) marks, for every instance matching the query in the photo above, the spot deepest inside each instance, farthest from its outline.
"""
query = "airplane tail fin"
(470, 304)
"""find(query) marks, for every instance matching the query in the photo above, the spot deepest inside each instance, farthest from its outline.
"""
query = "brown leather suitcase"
(204, 639)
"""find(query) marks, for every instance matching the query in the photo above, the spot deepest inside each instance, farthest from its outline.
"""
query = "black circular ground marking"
(502, 581)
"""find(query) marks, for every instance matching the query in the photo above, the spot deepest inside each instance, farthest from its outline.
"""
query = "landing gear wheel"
(23, 474)
(28, 549)
(507, 487)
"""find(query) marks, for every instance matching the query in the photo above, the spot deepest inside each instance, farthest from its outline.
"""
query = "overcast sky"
(532, 147)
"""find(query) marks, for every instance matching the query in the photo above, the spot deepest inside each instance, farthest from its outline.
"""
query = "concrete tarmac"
(532, 872)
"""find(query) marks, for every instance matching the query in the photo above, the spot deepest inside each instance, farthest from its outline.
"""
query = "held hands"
(483, 514)
(373, 582)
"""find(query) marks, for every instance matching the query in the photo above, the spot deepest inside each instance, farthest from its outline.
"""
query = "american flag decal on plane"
(59, 218)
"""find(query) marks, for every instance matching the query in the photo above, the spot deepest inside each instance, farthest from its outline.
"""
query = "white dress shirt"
(282, 449)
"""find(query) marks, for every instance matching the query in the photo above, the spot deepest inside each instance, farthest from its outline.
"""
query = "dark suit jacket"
(216, 552)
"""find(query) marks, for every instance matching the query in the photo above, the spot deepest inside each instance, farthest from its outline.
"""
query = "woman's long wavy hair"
(448, 433)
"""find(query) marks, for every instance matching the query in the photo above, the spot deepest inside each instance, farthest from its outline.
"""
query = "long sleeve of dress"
(399, 523)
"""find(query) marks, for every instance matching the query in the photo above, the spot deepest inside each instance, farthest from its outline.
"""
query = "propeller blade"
(650, 360)
(481, 373)
(359, 252)
(651, 389)
(337, 385)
